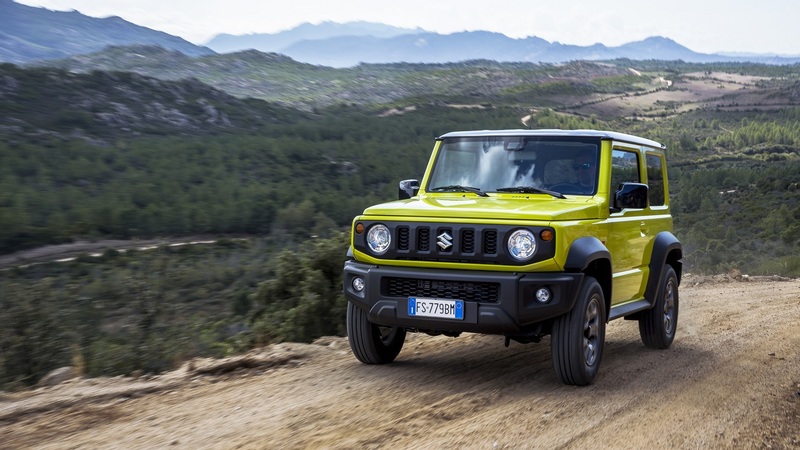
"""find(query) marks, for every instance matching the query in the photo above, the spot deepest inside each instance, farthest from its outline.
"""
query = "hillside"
(29, 34)
(108, 104)
(119, 154)
(619, 88)
(277, 78)
(103, 156)
(730, 380)
(721, 119)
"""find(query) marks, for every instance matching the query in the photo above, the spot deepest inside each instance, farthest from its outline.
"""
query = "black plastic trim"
(516, 312)
(583, 252)
(629, 308)
(664, 243)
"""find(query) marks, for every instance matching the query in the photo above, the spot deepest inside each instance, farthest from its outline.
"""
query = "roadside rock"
(58, 376)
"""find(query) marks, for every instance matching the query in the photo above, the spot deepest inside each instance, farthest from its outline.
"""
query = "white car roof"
(557, 133)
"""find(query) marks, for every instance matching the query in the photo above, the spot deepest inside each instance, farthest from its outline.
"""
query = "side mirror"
(631, 195)
(407, 189)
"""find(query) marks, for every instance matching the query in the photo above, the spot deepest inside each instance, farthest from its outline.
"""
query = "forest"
(277, 188)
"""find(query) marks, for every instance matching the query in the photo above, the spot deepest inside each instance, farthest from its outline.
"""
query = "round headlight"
(379, 239)
(521, 245)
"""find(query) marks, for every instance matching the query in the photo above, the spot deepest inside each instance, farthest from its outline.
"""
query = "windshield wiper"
(457, 188)
(530, 190)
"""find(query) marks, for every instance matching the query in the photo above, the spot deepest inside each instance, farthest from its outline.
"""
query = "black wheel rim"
(669, 307)
(591, 333)
(387, 334)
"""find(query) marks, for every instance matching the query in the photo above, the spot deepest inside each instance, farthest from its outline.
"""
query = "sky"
(705, 26)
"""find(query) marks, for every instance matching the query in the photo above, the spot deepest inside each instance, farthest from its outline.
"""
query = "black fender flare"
(667, 249)
(583, 252)
(590, 256)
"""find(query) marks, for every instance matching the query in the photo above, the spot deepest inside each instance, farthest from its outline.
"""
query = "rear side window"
(655, 179)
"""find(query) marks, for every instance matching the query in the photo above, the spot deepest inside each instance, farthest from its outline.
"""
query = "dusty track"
(75, 249)
(730, 380)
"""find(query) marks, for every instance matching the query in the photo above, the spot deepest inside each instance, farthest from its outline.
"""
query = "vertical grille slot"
(402, 238)
(424, 239)
(468, 241)
(490, 242)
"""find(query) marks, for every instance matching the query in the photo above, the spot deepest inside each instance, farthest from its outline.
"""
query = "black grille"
(490, 242)
(458, 290)
(467, 240)
(402, 238)
(424, 239)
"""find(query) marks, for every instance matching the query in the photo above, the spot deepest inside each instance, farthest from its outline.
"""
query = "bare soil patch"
(727, 91)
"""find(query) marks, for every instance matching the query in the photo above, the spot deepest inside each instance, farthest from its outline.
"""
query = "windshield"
(564, 165)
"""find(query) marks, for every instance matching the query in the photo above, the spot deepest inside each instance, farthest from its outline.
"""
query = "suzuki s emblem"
(444, 241)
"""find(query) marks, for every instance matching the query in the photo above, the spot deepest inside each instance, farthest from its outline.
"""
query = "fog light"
(358, 284)
(543, 295)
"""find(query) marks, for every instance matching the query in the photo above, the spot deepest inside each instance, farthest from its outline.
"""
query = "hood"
(500, 207)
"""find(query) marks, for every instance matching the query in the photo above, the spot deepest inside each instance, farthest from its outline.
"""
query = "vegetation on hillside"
(101, 106)
(280, 187)
(277, 78)
(310, 177)
(149, 310)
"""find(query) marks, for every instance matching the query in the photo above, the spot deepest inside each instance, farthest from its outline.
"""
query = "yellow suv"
(524, 234)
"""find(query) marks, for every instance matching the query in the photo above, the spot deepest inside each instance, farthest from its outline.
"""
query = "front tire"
(371, 343)
(577, 337)
(657, 326)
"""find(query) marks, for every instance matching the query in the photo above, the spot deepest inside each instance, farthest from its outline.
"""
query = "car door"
(628, 230)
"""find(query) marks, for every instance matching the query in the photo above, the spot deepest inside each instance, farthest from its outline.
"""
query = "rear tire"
(657, 326)
(578, 337)
(371, 343)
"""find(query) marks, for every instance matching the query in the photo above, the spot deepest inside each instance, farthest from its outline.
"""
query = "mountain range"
(29, 34)
(34, 34)
(347, 45)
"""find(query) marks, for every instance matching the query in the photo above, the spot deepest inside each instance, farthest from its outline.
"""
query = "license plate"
(434, 307)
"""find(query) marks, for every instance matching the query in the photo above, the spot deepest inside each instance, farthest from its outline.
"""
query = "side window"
(655, 179)
(624, 168)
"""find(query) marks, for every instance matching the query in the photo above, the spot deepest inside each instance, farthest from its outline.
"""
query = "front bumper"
(494, 302)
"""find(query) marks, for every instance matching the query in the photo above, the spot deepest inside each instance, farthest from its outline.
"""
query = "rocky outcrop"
(59, 376)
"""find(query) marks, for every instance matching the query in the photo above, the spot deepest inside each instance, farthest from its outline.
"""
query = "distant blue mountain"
(344, 51)
(345, 45)
(228, 43)
(28, 34)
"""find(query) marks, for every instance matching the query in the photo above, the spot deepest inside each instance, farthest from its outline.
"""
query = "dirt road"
(730, 380)
(66, 252)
